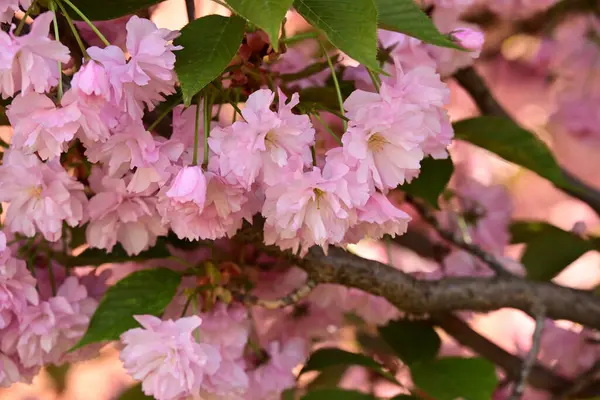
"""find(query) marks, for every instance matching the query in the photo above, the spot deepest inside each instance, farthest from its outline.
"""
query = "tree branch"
(540, 377)
(190, 8)
(470, 80)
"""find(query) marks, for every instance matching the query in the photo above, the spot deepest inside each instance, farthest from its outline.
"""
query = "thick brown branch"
(487, 104)
(450, 294)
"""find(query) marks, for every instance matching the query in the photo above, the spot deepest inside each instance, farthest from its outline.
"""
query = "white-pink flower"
(117, 215)
(228, 328)
(265, 142)
(189, 185)
(39, 126)
(30, 62)
(8, 8)
(41, 195)
(13, 371)
(166, 358)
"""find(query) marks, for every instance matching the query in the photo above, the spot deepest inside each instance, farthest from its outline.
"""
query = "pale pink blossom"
(378, 217)
(92, 125)
(184, 124)
(264, 143)
(42, 196)
(117, 215)
(189, 185)
(295, 60)
(8, 8)
(518, 8)
(228, 328)
(48, 330)
(269, 380)
(30, 62)
(312, 209)
(13, 371)
(222, 214)
(166, 358)
(39, 126)
(17, 290)
(229, 382)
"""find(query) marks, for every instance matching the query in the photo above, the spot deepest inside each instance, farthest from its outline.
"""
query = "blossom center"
(318, 195)
(271, 139)
(376, 142)
(35, 192)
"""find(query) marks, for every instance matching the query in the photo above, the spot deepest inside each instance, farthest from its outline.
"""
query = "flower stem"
(24, 19)
(87, 21)
(56, 36)
(332, 133)
(73, 29)
(208, 99)
(336, 83)
(299, 37)
(197, 132)
(374, 79)
(161, 116)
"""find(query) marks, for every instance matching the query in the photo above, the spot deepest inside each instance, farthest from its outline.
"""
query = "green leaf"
(58, 375)
(524, 231)
(549, 253)
(406, 17)
(95, 257)
(453, 377)
(266, 14)
(412, 341)
(142, 292)
(405, 397)
(329, 377)
(135, 393)
(109, 9)
(513, 143)
(350, 25)
(432, 180)
(329, 357)
(209, 44)
(337, 394)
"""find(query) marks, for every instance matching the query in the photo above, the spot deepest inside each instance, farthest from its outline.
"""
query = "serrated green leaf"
(503, 137)
(412, 341)
(547, 254)
(266, 14)
(329, 357)
(209, 44)
(109, 9)
(453, 377)
(406, 17)
(351, 25)
(96, 257)
(337, 394)
(135, 393)
(432, 180)
(142, 292)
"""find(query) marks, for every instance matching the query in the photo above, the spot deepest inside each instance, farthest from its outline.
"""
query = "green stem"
(73, 29)
(208, 99)
(374, 79)
(336, 83)
(56, 36)
(300, 36)
(332, 133)
(197, 132)
(87, 21)
(187, 304)
(24, 19)
(161, 117)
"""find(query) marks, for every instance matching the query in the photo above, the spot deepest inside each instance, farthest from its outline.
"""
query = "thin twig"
(190, 8)
(282, 302)
(458, 240)
(531, 358)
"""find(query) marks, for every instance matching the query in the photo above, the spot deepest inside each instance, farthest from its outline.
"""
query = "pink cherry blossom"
(29, 62)
(268, 381)
(265, 142)
(92, 125)
(12, 371)
(17, 290)
(295, 60)
(228, 328)
(312, 209)
(166, 358)
(47, 331)
(222, 213)
(41, 196)
(189, 185)
(117, 215)
(39, 126)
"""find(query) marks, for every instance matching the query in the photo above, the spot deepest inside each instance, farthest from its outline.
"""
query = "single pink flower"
(42, 196)
(12, 370)
(228, 328)
(17, 290)
(117, 215)
(265, 142)
(166, 358)
(189, 185)
(39, 126)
